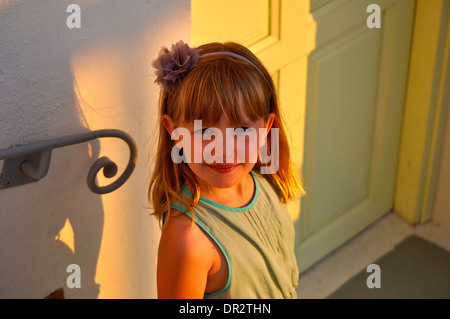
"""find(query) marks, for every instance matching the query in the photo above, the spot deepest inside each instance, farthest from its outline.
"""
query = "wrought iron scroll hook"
(30, 162)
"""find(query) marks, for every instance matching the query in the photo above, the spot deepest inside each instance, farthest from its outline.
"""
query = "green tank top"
(257, 241)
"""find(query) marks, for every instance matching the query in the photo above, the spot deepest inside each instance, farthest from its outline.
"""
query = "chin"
(218, 179)
(223, 180)
(222, 183)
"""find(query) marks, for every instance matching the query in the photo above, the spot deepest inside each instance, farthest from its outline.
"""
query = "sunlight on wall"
(66, 235)
(98, 85)
(99, 88)
(113, 82)
(97, 80)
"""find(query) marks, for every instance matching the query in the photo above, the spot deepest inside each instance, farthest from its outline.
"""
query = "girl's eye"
(204, 131)
(241, 129)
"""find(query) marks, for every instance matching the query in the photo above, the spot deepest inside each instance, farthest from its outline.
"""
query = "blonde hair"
(218, 84)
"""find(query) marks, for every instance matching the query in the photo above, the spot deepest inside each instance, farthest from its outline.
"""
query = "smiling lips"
(224, 168)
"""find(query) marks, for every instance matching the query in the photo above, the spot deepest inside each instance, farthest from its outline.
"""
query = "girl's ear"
(168, 123)
(268, 124)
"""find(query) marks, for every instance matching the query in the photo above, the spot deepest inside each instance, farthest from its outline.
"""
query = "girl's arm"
(184, 260)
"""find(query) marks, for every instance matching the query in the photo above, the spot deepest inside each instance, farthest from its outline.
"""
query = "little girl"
(226, 231)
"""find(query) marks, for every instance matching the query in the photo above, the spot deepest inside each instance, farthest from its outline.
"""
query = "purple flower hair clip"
(172, 66)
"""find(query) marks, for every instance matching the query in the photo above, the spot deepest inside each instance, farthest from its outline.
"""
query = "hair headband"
(172, 66)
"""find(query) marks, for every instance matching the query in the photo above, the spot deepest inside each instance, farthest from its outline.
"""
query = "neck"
(238, 195)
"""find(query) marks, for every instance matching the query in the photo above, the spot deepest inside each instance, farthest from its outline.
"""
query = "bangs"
(220, 86)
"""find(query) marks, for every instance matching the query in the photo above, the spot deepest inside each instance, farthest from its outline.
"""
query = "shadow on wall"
(49, 225)
(37, 103)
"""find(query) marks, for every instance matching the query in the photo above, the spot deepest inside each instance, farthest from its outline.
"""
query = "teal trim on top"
(164, 214)
(227, 285)
(177, 207)
(229, 208)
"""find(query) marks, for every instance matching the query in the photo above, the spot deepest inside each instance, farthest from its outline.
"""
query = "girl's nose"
(228, 149)
(228, 157)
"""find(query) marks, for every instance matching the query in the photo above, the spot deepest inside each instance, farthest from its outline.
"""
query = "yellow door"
(341, 86)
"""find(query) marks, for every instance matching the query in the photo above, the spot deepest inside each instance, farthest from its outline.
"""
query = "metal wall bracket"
(30, 162)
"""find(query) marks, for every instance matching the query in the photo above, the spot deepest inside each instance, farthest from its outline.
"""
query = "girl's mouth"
(223, 168)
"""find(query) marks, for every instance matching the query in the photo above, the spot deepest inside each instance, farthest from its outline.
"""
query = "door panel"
(250, 22)
(355, 97)
(342, 123)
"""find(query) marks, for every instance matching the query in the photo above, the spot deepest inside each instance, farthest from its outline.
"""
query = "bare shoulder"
(184, 259)
(182, 235)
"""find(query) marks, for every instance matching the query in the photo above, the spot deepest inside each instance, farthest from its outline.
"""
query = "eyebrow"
(247, 123)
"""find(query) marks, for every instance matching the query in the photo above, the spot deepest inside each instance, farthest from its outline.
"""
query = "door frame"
(425, 110)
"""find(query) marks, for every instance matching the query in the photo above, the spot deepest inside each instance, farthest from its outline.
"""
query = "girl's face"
(231, 171)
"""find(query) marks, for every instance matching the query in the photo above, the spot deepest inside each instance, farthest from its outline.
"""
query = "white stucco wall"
(56, 81)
